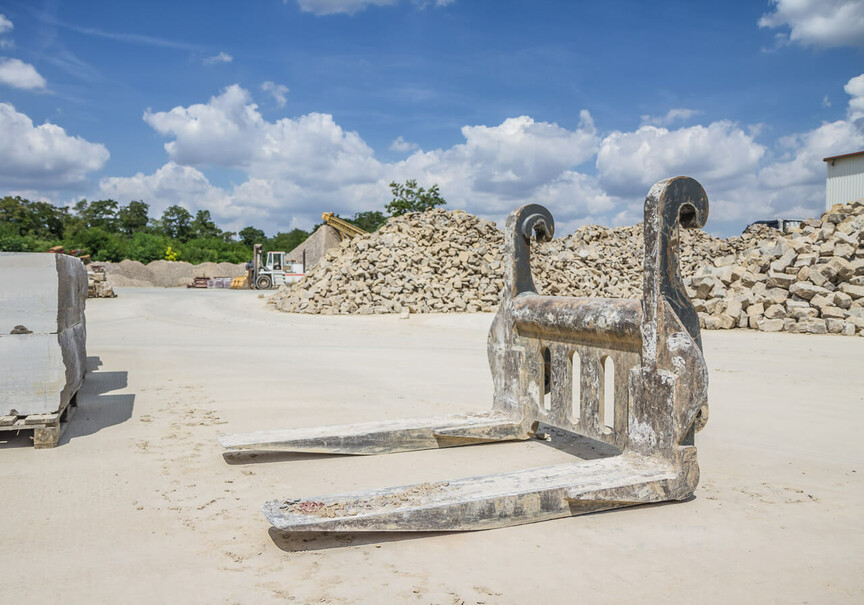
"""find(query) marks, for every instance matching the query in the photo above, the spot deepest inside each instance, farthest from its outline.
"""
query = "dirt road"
(138, 504)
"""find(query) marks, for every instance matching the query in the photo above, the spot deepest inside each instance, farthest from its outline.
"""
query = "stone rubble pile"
(450, 261)
(437, 261)
(807, 281)
(97, 283)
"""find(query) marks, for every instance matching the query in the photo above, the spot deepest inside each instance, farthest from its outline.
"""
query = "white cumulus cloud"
(225, 131)
(16, 73)
(400, 144)
(819, 22)
(43, 157)
(801, 160)
(350, 7)
(855, 89)
(171, 184)
(678, 114)
(277, 91)
(513, 158)
(630, 162)
(222, 57)
(5, 24)
(295, 168)
(230, 131)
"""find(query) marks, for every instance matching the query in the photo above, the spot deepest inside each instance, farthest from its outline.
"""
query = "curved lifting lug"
(532, 218)
(670, 203)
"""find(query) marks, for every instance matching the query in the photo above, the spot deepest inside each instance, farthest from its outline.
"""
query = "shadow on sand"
(96, 408)
(310, 540)
(262, 456)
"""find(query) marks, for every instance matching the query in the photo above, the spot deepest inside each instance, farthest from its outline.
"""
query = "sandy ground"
(138, 504)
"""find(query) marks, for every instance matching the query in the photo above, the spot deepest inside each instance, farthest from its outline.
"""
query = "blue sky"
(269, 112)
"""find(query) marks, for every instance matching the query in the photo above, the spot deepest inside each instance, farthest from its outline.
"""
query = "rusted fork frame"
(660, 399)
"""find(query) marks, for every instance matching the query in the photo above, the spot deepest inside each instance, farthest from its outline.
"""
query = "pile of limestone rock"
(811, 280)
(451, 261)
(807, 281)
(434, 262)
(97, 282)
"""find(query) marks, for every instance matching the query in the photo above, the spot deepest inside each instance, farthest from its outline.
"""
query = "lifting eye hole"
(687, 216)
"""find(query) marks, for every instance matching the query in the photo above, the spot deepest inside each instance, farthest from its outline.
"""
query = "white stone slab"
(42, 370)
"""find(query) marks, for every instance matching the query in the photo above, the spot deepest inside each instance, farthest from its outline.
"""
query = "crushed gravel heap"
(166, 274)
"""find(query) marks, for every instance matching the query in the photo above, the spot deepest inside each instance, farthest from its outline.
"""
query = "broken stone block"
(775, 312)
(780, 280)
(779, 265)
(821, 300)
(835, 326)
(43, 363)
(806, 290)
(812, 326)
(729, 273)
(843, 250)
(806, 260)
(832, 312)
(817, 277)
(770, 325)
(841, 299)
(775, 296)
(748, 279)
(756, 309)
(837, 269)
(855, 292)
(803, 313)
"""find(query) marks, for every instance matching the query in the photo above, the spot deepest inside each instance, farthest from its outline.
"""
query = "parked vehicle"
(277, 270)
(783, 225)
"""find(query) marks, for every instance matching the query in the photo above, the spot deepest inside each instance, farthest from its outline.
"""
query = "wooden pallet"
(47, 428)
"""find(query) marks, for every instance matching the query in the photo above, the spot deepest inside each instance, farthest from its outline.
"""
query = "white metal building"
(845, 182)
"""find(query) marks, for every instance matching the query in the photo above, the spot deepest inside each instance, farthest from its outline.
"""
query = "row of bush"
(108, 231)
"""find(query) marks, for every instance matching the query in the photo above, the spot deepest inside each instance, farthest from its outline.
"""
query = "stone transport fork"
(540, 349)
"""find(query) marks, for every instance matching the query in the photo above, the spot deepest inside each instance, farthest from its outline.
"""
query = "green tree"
(370, 220)
(102, 244)
(49, 219)
(133, 217)
(146, 247)
(203, 225)
(286, 242)
(176, 223)
(411, 198)
(39, 219)
(101, 213)
(251, 236)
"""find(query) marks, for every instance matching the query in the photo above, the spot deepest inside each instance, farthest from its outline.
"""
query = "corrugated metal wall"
(845, 181)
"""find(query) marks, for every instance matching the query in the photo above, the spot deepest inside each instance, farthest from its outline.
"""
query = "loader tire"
(264, 282)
